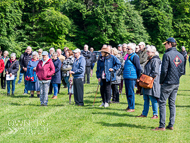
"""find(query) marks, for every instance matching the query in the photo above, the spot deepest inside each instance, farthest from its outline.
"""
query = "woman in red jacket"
(44, 71)
(2, 66)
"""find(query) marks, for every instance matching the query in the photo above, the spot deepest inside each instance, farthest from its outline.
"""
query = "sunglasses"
(128, 49)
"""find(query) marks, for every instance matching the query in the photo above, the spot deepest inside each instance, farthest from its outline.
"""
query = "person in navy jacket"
(106, 73)
(78, 71)
(131, 73)
(56, 78)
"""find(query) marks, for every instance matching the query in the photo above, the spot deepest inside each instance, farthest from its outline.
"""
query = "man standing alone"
(171, 71)
(87, 54)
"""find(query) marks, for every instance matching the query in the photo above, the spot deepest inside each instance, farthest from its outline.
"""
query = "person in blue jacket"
(78, 71)
(56, 78)
(131, 73)
(106, 73)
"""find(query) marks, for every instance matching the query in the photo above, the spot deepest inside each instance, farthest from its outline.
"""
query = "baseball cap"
(171, 39)
(44, 53)
(77, 50)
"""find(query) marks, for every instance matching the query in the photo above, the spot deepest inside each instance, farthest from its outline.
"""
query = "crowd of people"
(125, 65)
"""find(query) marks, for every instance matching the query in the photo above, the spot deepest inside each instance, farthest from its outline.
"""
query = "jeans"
(68, 84)
(13, 85)
(105, 91)
(167, 92)
(55, 87)
(129, 88)
(25, 83)
(20, 77)
(44, 92)
(92, 66)
(147, 98)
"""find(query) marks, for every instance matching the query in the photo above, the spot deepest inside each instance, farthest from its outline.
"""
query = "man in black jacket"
(21, 70)
(93, 59)
(184, 53)
(26, 58)
(87, 54)
(171, 71)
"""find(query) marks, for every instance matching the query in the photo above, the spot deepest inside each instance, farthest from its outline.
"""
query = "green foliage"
(103, 22)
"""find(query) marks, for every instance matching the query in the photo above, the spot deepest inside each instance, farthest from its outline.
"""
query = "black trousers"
(115, 92)
(78, 87)
(105, 91)
(3, 81)
(87, 73)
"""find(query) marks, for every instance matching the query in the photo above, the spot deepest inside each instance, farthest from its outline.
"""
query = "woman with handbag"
(31, 78)
(56, 78)
(11, 69)
(67, 66)
(152, 91)
(131, 73)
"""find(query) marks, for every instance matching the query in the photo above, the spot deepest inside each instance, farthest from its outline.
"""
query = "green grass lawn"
(22, 119)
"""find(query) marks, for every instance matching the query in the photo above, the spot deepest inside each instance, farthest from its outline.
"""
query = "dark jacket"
(172, 67)
(110, 62)
(26, 58)
(100, 66)
(20, 60)
(79, 67)
(13, 69)
(87, 55)
(45, 72)
(152, 69)
(118, 77)
(93, 57)
(57, 75)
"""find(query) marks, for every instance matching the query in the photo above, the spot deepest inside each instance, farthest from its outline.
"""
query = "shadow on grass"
(114, 114)
(123, 125)
(183, 106)
(37, 105)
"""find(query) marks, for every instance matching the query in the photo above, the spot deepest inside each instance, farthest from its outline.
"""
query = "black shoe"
(32, 95)
(8, 94)
(49, 93)
(38, 95)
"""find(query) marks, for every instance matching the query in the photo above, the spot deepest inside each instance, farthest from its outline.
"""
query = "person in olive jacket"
(56, 78)
(87, 54)
(152, 69)
(12, 68)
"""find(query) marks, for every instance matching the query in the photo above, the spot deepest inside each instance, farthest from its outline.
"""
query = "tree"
(103, 22)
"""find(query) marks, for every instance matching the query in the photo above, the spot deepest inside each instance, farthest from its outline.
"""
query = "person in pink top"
(44, 71)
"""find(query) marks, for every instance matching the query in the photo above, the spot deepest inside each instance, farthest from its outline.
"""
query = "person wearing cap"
(88, 57)
(131, 73)
(142, 55)
(171, 71)
(44, 71)
(107, 73)
(184, 53)
(93, 59)
(78, 70)
(152, 69)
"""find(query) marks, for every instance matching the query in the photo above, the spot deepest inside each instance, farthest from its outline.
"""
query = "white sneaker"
(106, 105)
(102, 104)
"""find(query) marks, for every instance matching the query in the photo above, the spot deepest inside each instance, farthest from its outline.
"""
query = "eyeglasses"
(128, 49)
(39, 52)
(137, 48)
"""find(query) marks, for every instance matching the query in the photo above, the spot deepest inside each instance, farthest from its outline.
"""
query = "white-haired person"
(114, 85)
(40, 54)
(131, 73)
(184, 53)
(142, 55)
(3, 75)
(26, 58)
(31, 77)
(88, 58)
(11, 69)
(78, 71)
(51, 51)
(152, 69)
